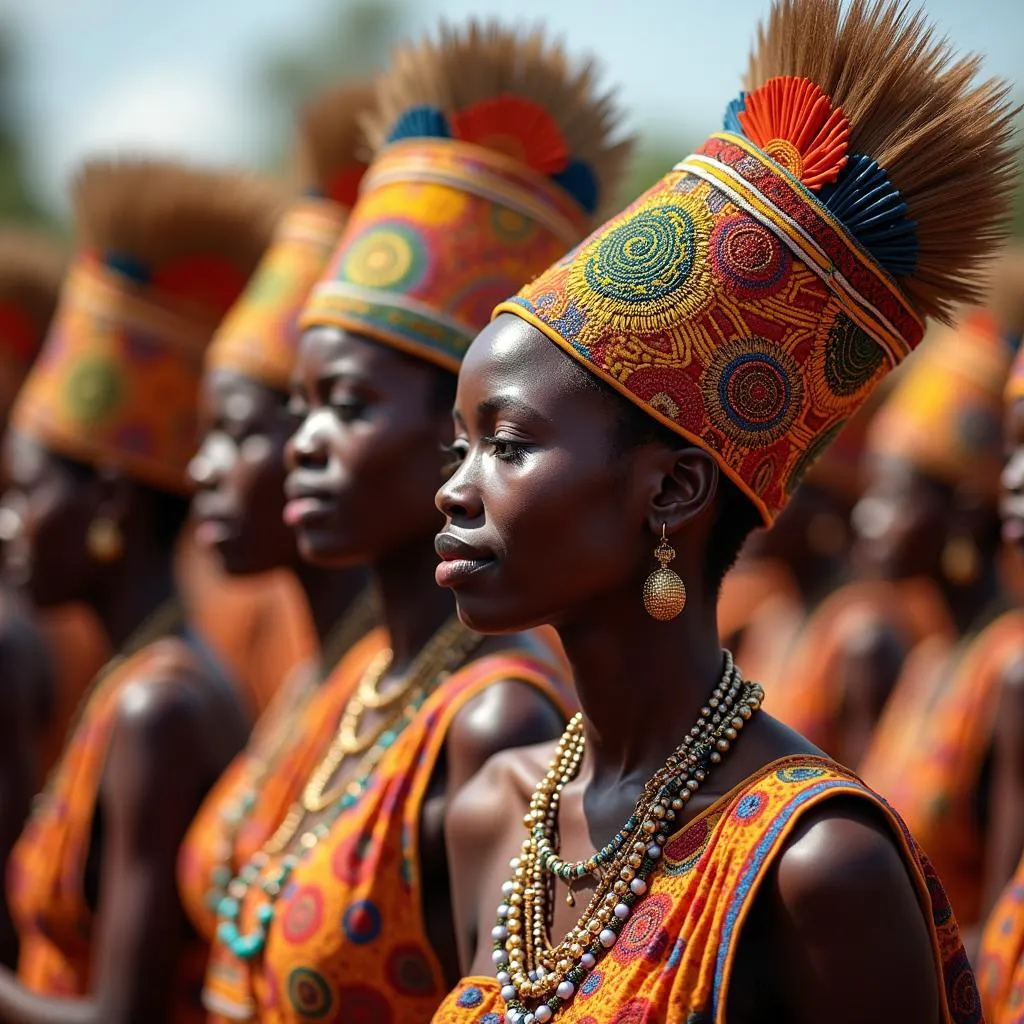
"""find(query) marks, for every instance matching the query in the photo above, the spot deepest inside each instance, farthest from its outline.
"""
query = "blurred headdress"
(165, 251)
(260, 335)
(31, 269)
(944, 416)
(493, 155)
(754, 297)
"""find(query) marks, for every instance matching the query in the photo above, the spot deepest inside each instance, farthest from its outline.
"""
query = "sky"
(175, 76)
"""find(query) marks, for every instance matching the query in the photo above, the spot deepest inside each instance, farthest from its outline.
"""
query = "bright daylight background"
(215, 80)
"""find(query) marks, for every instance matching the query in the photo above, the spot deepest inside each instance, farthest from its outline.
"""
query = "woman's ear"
(689, 485)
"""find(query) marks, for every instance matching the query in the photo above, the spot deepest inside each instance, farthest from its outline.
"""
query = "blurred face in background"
(1012, 499)
(239, 472)
(901, 522)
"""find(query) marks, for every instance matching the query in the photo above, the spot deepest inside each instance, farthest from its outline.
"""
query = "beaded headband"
(754, 297)
(168, 250)
(483, 177)
(260, 335)
(945, 414)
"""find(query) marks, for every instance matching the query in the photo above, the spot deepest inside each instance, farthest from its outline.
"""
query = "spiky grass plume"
(32, 268)
(331, 138)
(486, 60)
(945, 138)
(156, 211)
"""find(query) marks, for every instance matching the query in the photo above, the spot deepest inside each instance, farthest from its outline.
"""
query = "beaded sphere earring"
(664, 591)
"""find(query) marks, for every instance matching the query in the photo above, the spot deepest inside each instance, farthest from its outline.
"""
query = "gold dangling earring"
(104, 540)
(664, 591)
(961, 560)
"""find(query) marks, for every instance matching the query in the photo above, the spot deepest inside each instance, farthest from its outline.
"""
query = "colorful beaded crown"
(945, 414)
(493, 157)
(754, 297)
(31, 269)
(165, 251)
(260, 334)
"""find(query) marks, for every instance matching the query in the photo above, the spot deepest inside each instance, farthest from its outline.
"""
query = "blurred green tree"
(355, 40)
(16, 201)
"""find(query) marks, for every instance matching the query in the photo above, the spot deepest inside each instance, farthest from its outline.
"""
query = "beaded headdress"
(753, 298)
(31, 270)
(494, 154)
(260, 335)
(164, 253)
(945, 414)
(1007, 305)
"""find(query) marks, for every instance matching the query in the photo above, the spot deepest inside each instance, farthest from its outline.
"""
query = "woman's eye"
(348, 408)
(507, 450)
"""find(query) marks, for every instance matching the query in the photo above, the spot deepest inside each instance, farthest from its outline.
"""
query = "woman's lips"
(1013, 529)
(452, 572)
(211, 532)
(299, 510)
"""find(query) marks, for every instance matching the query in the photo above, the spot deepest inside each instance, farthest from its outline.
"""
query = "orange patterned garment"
(347, 941)
(804, 688)
(46, 880)
(673, 961)
(1001, 960)
(282, 750)
(930, 749)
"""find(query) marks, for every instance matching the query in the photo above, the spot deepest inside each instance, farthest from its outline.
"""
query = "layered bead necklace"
(269, 742)
(445, 651)
(538, 979)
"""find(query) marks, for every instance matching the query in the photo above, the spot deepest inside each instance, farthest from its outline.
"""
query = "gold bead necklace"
(537, 979)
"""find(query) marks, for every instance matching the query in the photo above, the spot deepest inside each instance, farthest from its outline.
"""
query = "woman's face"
(901, 522)
(48, 506)
(544, 515)
(239, 471)
(367, 457)
(1011, 505)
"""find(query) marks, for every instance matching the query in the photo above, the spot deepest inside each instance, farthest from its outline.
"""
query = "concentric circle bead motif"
(310, 994)
(749, 258)
(650, 271)
(852, 359)
(754, 391)
(390, 255)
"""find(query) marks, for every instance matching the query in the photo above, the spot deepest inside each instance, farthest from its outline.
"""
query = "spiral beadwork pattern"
(650, 271)
(727, 304)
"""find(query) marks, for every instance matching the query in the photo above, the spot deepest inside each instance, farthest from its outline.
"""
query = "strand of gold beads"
(528, 966)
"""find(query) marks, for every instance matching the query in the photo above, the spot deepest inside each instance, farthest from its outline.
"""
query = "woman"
(30, 275)
(239, 472)
(932, 508)
(1001, 959)
(100, 439)
(746, 880)
(492, 153)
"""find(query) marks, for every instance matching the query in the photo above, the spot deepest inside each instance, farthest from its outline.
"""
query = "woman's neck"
(413, 606)
(968, 602)
(329, 594)
(133, 589)
(640, 682)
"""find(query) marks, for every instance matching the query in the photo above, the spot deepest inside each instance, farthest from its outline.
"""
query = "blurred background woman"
(100, 439)
(493, 151)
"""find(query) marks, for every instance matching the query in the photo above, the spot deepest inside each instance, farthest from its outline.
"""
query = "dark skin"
(565, 521)
(365, 464)
(901, 525)
(1006, 832)
(26, 696)
(811, 536)
(148, 792)
(239, 472)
